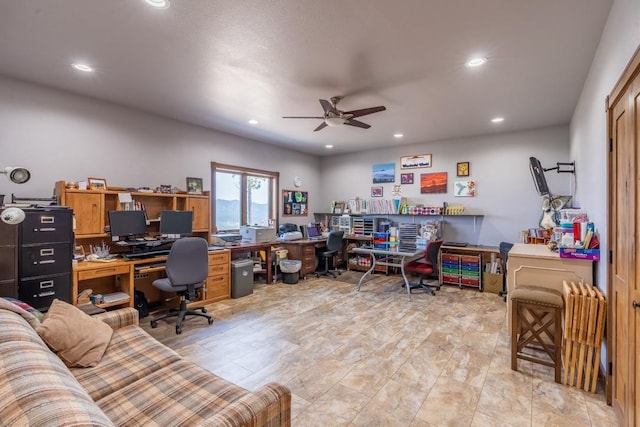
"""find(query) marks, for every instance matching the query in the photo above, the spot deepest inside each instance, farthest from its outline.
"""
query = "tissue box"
(579, 253)
(256, 234)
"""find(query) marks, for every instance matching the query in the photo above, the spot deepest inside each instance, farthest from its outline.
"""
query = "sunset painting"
(433, 182)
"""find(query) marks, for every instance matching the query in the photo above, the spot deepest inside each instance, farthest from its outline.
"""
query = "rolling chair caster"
(154, 324)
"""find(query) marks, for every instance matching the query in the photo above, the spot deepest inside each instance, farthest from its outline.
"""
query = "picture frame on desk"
(194, 186)
(97, 183)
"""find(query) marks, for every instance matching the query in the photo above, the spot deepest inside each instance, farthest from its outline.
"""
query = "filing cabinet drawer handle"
(47, 252)
(47, 219)
(46, 229)
(46, 261)
(46, 284)
(46, 294)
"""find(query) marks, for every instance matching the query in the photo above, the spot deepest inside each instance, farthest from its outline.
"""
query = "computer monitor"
(127, 224)
(176, 223)
(313, 230)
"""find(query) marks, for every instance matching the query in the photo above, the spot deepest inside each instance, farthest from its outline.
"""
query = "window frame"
(274, 210)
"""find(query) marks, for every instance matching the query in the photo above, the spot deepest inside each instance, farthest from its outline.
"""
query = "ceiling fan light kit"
(334, 117)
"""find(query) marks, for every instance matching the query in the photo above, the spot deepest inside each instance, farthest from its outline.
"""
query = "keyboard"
(457, 244)
(146, 253)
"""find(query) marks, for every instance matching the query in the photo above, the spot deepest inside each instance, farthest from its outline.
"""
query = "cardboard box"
(492, 282)
(578, 253)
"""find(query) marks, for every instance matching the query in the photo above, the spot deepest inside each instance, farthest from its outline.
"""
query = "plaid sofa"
(138, 382)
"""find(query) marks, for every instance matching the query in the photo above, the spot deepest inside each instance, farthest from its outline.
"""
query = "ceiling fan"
(334, 117)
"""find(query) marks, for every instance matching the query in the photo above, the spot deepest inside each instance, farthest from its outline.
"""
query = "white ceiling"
(219, 63)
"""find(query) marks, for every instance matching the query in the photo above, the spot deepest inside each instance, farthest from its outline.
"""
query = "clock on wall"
(297, 181)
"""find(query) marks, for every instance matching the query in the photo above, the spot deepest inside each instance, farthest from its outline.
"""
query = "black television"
(127, 224)
(537, 172)
(176, 223)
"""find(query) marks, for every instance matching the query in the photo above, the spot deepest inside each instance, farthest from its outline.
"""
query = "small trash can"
(290, 270)
(241, 278)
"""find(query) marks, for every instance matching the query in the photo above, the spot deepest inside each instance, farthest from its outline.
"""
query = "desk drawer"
(40, 292)
(103, 272)
(218, 269)
(217, 286)
(48, 258)
(218, 257)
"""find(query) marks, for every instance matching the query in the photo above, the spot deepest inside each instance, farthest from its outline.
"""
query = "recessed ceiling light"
(476, 62)
(253, 122)
(158, 4)
(83, 67)
(328, 146)
(398, 135)
(497, 120)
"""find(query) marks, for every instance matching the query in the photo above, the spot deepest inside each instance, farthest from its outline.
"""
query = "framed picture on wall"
(295, 203)
(406, 178)
(376, 191)
(415, 161)
(463, 169)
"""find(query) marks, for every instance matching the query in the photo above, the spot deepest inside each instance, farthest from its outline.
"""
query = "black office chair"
(187, 269)
(427, 267)
(334, 245)
(504, 249)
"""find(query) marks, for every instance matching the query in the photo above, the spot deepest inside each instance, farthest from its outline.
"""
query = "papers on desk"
(114, 297)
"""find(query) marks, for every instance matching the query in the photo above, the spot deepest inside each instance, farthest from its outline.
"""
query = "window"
(242, 196)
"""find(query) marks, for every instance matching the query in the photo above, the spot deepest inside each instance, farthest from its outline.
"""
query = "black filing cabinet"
(45, 254)
(8, 260)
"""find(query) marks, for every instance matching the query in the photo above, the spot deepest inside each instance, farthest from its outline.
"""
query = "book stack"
(407, 237)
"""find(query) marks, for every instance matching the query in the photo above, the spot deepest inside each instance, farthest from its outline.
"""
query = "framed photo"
(384, 172)
(433, 182)
(463, 169)
(376, 191)
(165, 189)
(97, 183)
(295, 202)
(339, 207)
(465, 188)
(406, 178)
(194, 185)
(415, 161)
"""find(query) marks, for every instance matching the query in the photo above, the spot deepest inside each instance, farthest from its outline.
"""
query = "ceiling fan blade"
(357, 124)
(301, 117)
(327, 106)
(320, 127)
(365, 111)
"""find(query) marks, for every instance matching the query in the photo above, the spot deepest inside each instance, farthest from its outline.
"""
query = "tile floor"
(372, 358)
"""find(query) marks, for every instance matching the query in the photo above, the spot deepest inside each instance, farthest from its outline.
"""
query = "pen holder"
(101, 252)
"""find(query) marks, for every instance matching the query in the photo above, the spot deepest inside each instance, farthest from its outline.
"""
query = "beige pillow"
(77, 338)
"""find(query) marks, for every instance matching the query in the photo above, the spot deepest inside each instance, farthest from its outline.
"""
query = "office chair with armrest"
(427, 267)
(187, 269)
(334, 245)
(504, 249)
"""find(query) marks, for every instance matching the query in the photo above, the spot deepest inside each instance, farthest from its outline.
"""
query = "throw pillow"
(77, 338)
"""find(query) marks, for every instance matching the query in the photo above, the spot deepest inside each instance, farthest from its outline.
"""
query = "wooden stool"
(536, 316)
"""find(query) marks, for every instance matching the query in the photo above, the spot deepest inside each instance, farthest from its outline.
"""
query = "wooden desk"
(305, 251)
(536, 265)
(120, 276)
(257, 247)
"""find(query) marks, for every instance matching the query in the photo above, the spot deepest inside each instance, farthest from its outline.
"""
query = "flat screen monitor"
(127, 224)
(176, 223)
(313, 230)
(537, 172)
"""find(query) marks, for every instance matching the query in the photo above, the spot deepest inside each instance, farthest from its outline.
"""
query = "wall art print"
(433, 182)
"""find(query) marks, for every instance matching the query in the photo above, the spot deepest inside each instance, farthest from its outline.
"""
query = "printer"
(257, 234)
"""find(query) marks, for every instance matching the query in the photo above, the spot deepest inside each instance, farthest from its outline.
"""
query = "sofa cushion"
(30, 375)
(179, 394)
(132, 354)
(23, 309)
(77, 338)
